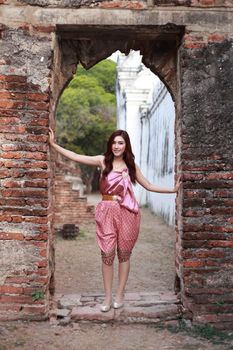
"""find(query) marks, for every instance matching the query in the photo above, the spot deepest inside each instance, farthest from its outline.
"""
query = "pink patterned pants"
(116, 228)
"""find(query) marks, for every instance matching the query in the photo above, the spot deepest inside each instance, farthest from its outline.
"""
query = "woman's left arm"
(153, 188)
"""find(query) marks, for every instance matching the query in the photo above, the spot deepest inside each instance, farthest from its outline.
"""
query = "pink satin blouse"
(119, 183)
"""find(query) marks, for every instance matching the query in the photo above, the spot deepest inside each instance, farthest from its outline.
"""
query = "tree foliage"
(86, 113)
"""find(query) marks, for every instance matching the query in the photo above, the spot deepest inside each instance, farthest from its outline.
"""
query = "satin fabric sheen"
(119, 183)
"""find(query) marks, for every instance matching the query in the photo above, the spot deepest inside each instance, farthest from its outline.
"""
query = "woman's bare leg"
(123, 273)
(107, 271)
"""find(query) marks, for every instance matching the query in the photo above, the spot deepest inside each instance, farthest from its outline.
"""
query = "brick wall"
(25, 177)
(205, 245)
(71, 205)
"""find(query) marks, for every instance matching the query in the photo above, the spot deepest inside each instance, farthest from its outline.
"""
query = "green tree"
(104, 72)
(86, 114)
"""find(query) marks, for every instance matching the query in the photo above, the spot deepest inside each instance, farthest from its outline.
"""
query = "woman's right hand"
(51, 137)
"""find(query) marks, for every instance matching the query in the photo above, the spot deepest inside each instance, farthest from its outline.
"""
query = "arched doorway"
(159, 52)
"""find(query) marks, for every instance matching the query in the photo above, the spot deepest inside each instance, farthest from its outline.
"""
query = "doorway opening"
(159, 52)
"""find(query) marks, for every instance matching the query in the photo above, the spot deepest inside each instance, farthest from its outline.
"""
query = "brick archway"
(198, 74)
(158, 45)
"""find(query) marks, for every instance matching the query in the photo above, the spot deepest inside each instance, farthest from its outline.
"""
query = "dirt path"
(78, 264)
(42, 335)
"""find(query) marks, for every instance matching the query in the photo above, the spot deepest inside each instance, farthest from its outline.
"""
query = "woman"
(117, 215)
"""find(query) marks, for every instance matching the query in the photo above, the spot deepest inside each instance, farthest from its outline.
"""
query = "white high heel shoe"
(105, 308)
(117, 305)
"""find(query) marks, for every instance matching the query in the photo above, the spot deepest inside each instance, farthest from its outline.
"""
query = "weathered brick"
(133, 5)
(12, 129)
(13, 78)
(10, 307)
(25, 280)
(37, 220)
(16, 173)
(210, 318)
(37, 105)
(12, 104)
(9, 218)
(12, 184)
(24, 193)
(41, 264)
(205, 235)
(36, 183)
(37, 202)
(13, 86)
(193, 263)
(24, 212)
(38, 174)
(37, 96)
(7, 289)
(44, 29)
(11, 95)
(219, 243)
(24, 155)
(203, 253)
(9, 121)
(19, 299)
(199, 291)
(207, 2)
(25, 164)
(11, 235)
(4, 174)
(40, 237)
(23, 147)
(34, 309)
(37, 138)
(39, 122)
(11, 155)
(220, 175)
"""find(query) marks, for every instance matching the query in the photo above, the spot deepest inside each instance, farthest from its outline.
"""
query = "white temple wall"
(146, 111)
(159, 150)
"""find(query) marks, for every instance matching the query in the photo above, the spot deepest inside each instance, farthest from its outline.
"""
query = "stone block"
(91, 314)
(158, 312)
(61, 313)
(69, 301)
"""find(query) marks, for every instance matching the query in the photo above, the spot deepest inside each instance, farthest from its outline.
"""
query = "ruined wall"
(207, 164)
(70, 205)
(196, 68)
(25, 174)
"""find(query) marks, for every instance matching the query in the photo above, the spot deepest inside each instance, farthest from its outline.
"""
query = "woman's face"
(118, 146)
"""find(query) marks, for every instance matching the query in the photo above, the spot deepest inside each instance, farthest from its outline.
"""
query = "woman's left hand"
(178, 183)
(51, 137)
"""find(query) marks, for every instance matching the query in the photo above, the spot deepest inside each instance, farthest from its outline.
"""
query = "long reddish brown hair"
(128, 155)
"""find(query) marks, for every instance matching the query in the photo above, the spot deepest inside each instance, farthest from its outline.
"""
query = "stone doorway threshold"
(144, 307)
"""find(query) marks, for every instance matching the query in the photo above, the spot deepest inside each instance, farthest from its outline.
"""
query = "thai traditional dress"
(118, 220)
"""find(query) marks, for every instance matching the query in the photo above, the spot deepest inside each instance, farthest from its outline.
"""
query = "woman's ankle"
(119, 298)
(108, 299)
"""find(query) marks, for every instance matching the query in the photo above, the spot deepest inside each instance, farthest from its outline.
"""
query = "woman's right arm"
(80, 158)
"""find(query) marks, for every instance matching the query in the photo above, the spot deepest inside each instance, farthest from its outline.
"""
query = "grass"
(82, 233)
(205, 331)
(37, 295)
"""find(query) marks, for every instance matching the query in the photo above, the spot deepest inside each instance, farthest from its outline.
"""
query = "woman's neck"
(118, 163)
(118, 159)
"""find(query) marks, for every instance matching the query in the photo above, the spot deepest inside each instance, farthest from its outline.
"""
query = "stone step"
(138, 308)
